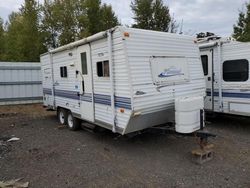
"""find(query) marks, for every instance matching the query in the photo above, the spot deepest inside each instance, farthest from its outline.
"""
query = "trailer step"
(88, 127)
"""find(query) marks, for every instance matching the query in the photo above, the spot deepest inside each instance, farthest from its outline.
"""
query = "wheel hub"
(61, 117)
(70, 121)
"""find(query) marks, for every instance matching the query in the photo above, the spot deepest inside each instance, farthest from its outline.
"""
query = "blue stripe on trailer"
(230, 95)
(121, 102)
(67, 94)
(47, 91)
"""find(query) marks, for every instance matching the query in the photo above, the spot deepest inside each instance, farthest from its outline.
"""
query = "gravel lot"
(48, 155)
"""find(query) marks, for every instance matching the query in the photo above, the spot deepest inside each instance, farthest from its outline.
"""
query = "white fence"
(20, 83)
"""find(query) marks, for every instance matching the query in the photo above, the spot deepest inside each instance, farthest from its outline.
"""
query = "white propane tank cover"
(189, 103)
(187, 113)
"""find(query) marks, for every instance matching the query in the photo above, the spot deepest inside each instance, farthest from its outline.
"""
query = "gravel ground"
(48, 155)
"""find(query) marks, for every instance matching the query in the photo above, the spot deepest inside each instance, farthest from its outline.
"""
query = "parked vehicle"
(226, 69)
(126, 80)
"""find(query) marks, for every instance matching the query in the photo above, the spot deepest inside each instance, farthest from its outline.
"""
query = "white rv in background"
(126, 80)
(226, 69)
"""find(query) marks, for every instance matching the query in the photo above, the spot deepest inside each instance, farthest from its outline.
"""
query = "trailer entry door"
(85, 71)
(207, 65)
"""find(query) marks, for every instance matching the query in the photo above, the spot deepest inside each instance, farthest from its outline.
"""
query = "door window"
(84, 63)
(204, 60)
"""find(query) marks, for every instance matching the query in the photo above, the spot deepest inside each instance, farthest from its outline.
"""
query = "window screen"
(63, 72)
(84, 63)
(103, 69)
(235, 70)
(204, 60)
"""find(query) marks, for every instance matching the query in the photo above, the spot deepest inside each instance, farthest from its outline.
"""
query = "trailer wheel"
(72, 122)
(62, 116)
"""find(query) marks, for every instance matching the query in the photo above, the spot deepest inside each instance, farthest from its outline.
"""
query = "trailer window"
(84, 63)
(204, 60)
(103, 69)
(64, 72)
(236, 70)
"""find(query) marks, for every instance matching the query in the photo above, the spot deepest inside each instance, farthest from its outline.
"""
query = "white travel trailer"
(126, 80)
(226, 69)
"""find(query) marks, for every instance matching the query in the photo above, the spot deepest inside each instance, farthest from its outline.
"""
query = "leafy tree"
(64, 21)
(109, 18)
(161, 17)
(151, 14)
(24, 40)
(143, 12)
(67, 20)
(100, 17)
(82, 19)
(31, 39)
(13, 38)
(242, 28)
(59, 22)
(94, 16)
(2, 41)
(49, 24)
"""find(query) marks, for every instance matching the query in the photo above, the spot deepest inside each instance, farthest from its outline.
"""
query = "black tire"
(73, 123)
(62, 116)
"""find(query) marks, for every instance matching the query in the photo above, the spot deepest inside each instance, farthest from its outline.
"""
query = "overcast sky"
(216, 16)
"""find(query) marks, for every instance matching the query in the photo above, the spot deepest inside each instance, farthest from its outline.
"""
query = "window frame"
(84, 64)
(202, 62)
(104, 73)
(233, 60)
(64, 72)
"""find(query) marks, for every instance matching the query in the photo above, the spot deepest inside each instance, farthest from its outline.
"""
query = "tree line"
(36, 28)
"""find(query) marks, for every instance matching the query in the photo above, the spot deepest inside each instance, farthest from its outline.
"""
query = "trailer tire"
(62, 116)
(72, 122)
